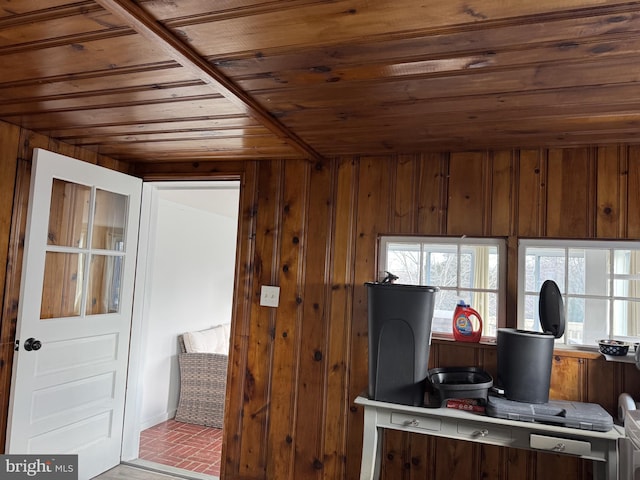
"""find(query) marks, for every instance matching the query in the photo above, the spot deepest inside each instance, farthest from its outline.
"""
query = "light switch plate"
(269, 296)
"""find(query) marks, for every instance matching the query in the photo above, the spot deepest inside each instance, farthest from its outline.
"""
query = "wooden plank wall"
(311, 228)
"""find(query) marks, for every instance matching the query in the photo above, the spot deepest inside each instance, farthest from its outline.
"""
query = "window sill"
(593, 352)
(628, 358)
(563, 350)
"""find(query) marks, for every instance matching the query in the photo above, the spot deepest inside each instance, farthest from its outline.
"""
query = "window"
(599, 282)
(469, 269)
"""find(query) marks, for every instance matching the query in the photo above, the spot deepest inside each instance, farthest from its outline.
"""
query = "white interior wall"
(189, 285)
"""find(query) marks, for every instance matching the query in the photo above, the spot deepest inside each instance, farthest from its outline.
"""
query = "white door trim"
(140, 323)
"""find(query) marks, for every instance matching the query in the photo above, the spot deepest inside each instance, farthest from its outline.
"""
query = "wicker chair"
(203, 378)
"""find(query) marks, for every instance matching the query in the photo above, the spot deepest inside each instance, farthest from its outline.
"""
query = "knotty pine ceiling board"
(213, 125)
(11, 8)
(158, 80)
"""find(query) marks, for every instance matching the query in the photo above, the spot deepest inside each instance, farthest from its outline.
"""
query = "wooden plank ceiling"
(160, 80)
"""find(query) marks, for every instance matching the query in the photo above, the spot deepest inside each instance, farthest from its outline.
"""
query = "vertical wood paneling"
(27, 141)
(531, 199)
(558, 466)
(501, 193)
(312, 229)
(601, 383)
(11, 285)
(338, 355)
(455, 459)
(253, 454)
(520, 464)
(465, 211)
(567, 374)
(372, 186)
(393, 463)
(629, 379)
(9, 136)
(491, 462)
(457, 355)
(240, 327)
(406, 178)
(567, 213)
(421, 457)
(633, 192)
(609, 192)
(432, 173)
(314, 335)
(285, 372)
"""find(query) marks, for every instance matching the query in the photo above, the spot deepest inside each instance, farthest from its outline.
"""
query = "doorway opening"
(184, 284)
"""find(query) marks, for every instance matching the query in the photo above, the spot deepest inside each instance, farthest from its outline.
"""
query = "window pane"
(544, 264)
(574, 320)
(550, 267)
(625, 262)
(466, 270)
(105, 276)
(446, 301)
(626, 288)
(530, 321)
(493, 271)
(62, 286)
(441, 266)
(596, 320)
(403, 260)
(109, 220)
(485, 303)
(595, 276)
(576, 280)
(69, 214)
(626, 318)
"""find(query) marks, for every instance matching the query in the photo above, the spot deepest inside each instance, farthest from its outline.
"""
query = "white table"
(601, 447)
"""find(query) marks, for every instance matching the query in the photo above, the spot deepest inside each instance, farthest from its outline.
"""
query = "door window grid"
(95, 239)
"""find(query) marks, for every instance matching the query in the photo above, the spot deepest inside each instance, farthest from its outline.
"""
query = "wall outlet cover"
(269, 296)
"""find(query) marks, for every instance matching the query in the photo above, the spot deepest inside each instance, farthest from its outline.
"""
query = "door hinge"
(17, 346)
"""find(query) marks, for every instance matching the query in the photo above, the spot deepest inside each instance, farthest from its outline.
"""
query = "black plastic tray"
(460, 382)
(585, 416)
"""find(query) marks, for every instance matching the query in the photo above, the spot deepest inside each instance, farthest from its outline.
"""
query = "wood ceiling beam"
(161, 37)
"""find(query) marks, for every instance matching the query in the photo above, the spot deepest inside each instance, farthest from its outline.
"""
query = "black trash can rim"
(402, 286)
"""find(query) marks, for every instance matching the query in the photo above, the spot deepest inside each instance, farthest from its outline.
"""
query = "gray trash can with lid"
(400, 319)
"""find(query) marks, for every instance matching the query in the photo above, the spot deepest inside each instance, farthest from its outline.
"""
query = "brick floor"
(183, 445)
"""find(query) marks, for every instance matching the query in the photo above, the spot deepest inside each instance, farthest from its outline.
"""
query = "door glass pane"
(109, 220)
(105, 278)
(62, 286)
(69, 214)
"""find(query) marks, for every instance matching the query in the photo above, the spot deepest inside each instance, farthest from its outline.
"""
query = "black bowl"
(613, 347)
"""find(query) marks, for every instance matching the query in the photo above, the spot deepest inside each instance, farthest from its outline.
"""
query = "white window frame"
(458, 243)
(566, 245)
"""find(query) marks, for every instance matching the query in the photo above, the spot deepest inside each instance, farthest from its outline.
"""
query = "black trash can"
(525, 357)
(400, 319)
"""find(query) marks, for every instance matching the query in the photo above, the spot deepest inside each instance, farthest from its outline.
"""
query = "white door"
(74, 315)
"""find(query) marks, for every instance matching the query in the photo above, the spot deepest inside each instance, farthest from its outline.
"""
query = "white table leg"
(371, 446)
(607, 470)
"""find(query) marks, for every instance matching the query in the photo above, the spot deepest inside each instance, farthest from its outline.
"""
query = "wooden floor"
(129, 472)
